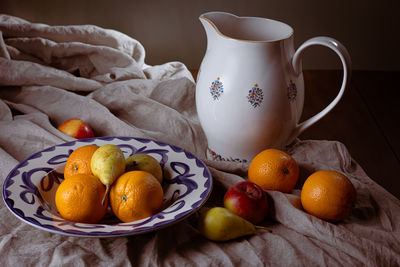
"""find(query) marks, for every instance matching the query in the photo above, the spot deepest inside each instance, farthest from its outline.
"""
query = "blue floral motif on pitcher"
(216, 89)
(292, 91)
(255, 96)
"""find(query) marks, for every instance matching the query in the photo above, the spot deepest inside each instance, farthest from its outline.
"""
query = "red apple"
(76, 128)
(247, 200)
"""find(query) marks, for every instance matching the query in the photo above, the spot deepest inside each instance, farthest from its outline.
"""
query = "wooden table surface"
(366, 120)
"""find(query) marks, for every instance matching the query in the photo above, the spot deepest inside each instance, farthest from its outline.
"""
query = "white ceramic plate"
(29, 189)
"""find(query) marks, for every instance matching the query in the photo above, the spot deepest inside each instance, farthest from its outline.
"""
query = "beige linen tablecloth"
(49, 74)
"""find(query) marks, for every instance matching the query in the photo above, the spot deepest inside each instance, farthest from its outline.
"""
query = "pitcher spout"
(244, 29)
(209, 27)
(212, 22)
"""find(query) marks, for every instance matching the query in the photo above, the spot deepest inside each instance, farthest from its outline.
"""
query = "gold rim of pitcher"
(247, 41)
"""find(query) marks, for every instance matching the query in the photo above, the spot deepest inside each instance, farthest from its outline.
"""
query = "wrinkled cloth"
(49, 74)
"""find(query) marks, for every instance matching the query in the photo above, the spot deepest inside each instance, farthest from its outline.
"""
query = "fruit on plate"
(108, 163)
(79, 161)
(328, 195)
(220, 224)
(76, 128)
(273, 169)
(79, 198)
(144, 162)
(136, 195)
(247, 200)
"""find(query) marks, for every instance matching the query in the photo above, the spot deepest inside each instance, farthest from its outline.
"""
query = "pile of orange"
(134, 195)
(326, 194)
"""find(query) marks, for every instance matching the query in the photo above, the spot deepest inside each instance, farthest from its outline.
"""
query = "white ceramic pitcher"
(250, 88)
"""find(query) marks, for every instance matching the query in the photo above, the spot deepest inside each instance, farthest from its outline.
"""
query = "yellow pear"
(220, 224)
(107, 164)
(144, 162)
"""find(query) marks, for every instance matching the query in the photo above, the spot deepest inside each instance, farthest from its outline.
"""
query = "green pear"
(107, 164)
(220, 224)
(144, 162)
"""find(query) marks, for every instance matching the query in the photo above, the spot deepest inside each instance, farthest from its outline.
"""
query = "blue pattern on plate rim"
(29, 188)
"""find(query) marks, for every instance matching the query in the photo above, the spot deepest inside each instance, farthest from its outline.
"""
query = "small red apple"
(76, 128)
(247, 200)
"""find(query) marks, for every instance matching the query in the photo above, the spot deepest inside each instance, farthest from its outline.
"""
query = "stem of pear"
(263, 228)
(105, 194)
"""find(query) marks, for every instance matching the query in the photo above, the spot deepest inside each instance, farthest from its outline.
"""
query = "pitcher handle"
(344, 56)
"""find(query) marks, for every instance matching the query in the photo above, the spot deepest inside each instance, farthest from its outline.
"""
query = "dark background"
(170, 30)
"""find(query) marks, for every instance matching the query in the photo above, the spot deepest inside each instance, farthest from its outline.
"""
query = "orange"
(136, 195)
(273, 169)
(79, 161)
(78, 199)
(328, 195)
